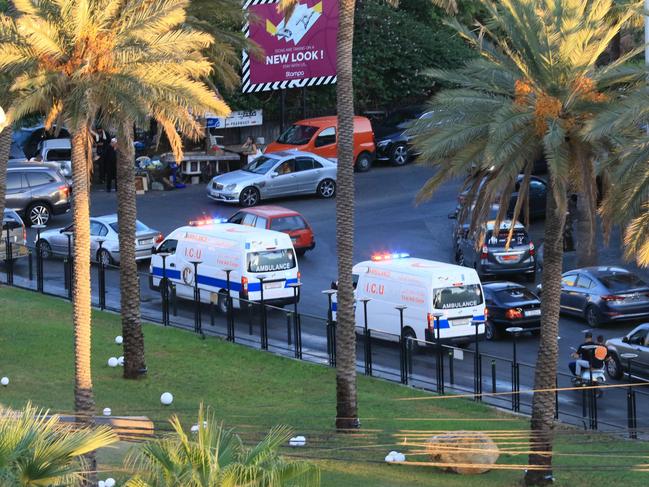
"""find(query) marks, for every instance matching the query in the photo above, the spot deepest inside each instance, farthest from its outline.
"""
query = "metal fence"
(504, 382)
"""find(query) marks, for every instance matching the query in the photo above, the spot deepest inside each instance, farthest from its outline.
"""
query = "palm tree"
(155, 65)
(529, 94)
(213, 456)
(39, 449)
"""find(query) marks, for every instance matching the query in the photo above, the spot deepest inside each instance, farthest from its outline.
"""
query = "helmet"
(600, 352)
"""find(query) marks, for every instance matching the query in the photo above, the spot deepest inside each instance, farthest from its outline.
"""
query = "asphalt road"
(387, 219)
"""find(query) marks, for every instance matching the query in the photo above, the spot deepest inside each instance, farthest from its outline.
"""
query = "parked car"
(281, 220)
(26, 140)
(604, 294)
(104, 229)
(510, 305)
(273, 175)
(635, 342)
(57, 151)
(13, 228)
(393, 141)
(537, 197)
(318, 136)
(490, 256)
(37, 192)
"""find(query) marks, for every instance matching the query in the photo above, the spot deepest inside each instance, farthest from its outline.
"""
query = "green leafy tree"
(216, 457)
(529, 94)
(37, 448)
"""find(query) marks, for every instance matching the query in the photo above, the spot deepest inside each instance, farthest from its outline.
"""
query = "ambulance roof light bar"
(207, 221)
(389, 256)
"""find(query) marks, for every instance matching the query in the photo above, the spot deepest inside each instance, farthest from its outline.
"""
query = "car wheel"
(411, 341)
(45, 249)
(38, 214)
(249, 197)
(327, 188)
(400, 155)
(222, 302)
(363, 162)
(614, 368)
(104, 258)
(593, 316)
(491, 331)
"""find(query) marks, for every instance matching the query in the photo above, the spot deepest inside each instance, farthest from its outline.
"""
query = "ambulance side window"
(168, 246)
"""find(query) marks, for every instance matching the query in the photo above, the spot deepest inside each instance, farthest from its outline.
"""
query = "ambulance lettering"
(373, 288)
(193, 253)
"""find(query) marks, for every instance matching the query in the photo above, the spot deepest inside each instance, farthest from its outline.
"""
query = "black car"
(392, 142)
(510, 305)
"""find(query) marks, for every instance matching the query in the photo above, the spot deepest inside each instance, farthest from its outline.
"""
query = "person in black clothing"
(110, 165)
(584, 355)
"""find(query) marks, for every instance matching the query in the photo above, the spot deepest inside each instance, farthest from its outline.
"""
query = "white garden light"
(101, 483)
(395, 457)
(107, 412)
(112, 362)
(119, 340)
(297, 441)
(110, 482)
(166, 398)
(4, 381)
(120, 361)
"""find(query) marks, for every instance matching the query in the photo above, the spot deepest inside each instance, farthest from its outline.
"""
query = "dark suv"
(36, 192)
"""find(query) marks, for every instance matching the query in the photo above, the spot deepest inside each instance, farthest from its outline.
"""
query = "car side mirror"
(273, 174)
(625, 339)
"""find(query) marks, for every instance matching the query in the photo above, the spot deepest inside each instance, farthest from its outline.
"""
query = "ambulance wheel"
(222, 302)
(411, 340)
(249, 197)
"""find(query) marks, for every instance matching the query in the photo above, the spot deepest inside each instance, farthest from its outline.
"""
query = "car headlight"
(230, 187)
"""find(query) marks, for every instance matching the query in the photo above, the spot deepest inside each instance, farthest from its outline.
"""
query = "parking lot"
(387, 220)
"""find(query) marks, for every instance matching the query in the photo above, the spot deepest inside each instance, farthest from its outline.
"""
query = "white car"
(59, 152)
(104, 229)
(278, 174)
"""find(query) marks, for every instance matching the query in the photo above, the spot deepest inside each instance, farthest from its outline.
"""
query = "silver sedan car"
(274, 175)
(104, 230)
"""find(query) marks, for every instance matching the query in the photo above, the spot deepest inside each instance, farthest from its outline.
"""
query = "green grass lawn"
(252, 391)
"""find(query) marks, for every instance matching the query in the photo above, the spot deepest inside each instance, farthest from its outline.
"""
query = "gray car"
(636, 342)
(276, 175)
(490, 256)
(104, 229)
(37, 192)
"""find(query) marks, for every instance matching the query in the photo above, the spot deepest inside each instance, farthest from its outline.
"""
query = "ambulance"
(428, 290)
(251, 254)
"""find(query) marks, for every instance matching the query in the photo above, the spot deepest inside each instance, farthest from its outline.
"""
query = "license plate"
(533, 312)
(460, 322)
(273, 285)
(509, 258)
(146, 241)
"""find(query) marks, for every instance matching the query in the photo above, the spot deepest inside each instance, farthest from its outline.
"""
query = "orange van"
(318, 135)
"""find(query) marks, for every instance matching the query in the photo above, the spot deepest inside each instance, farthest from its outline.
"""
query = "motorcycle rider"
(601, 354)
(584, 355)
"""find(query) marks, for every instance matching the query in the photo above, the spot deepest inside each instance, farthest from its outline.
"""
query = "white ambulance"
(249, 253)
(428, 289)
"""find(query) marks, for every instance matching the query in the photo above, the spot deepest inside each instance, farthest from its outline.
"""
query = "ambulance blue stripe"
(216, 282)
(171, 274)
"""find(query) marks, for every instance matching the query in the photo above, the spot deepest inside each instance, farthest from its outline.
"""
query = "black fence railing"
(505, 382)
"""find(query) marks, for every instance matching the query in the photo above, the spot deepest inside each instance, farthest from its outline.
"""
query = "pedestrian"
(250, 149)
(101, 138)
(110, 164)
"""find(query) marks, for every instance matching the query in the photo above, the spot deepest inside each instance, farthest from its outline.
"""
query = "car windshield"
(271, 260)
(297, 135)
(261, 165)
(457, 297)
(515, 294)
(621, 281)
(519, 237)
(139, 226)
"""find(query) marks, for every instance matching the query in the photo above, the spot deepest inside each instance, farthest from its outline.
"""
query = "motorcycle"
(590, 377)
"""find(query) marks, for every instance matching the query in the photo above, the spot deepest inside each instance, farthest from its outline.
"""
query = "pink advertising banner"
(296, 52)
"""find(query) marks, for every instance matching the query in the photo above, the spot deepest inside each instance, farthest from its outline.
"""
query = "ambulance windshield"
(456, 297)
(271, 260)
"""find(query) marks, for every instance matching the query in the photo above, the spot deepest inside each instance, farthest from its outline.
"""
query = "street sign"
(247, 118)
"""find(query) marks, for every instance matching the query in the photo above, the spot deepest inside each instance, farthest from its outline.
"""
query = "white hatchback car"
(104, 229)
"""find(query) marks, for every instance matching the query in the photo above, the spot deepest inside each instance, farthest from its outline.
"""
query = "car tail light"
(430, 320)
(612, 297)
(159, 238)
(486, 312)
(24, 235)
(299, 276)
(532, 249)
(513, 314)
(485, 252)
(64, 191)
(244, 285)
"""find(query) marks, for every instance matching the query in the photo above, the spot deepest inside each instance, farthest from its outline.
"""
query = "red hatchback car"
(279, 219)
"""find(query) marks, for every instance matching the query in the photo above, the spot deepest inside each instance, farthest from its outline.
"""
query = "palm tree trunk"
(5, 146)
(586, 224)
(84, 403)
(134, 366)
(346, 405)
(543, 403)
